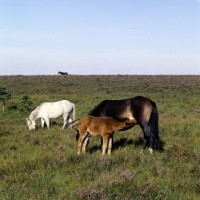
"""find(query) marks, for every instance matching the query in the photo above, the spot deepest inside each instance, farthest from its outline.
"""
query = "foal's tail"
(73, 123)
(155, 139)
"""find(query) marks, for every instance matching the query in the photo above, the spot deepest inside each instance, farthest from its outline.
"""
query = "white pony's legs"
(42, 122)
(65, 116)
(47, 122)
(67, 119)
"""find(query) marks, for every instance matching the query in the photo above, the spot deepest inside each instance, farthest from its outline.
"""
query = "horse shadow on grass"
(119, 143)
(52, 123)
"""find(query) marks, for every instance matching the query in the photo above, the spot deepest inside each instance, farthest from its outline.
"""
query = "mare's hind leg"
(147, 137)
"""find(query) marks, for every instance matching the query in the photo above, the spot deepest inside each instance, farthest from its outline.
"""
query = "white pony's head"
(31, 124)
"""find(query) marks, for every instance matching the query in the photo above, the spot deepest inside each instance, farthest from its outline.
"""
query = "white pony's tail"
(71, 124)
(74, 112)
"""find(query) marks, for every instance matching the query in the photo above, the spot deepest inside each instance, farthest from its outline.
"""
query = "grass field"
(43, 164)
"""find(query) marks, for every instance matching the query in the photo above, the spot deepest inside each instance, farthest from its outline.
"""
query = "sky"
(83, 37)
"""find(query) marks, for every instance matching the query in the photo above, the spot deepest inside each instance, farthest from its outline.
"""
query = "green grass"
(43, 164)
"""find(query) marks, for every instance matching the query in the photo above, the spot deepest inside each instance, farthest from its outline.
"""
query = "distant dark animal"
(63, 73)
(48, 110)
(103, 126)
(143, 109)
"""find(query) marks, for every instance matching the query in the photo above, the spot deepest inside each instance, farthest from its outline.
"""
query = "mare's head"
(31, 124)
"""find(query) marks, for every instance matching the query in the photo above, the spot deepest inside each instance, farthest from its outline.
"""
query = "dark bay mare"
(143, 109)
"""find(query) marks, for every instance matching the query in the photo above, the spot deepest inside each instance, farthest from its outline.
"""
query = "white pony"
(48, 110)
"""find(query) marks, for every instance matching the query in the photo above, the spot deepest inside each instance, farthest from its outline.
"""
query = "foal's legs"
(85, 143)
(110, 142)
(105, 143)
(80, 141)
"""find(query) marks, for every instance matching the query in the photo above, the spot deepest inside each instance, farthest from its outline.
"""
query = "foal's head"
(130, 121)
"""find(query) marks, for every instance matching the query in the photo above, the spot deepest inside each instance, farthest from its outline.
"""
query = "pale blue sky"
(42, 37)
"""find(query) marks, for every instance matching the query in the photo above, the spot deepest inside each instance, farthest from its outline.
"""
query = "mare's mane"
(96, 107)
(106, 102)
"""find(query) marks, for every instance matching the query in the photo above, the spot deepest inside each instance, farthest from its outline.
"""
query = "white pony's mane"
(45, 102)
(34, 113)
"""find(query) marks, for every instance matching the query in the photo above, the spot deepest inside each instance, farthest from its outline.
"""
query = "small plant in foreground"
(4, 95)
(25, 103)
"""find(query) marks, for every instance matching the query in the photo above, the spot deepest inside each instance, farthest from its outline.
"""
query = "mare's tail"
(71, 124)
(155, 139)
